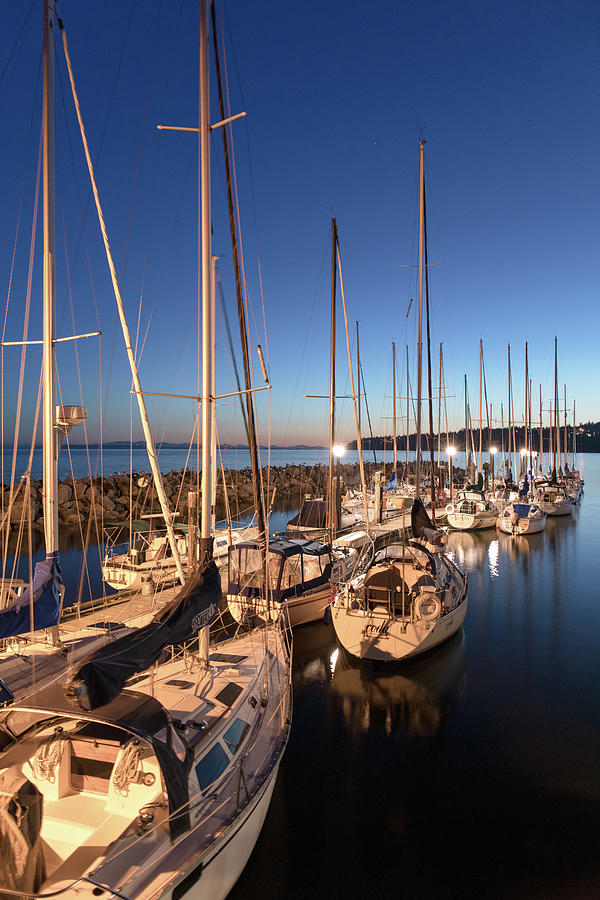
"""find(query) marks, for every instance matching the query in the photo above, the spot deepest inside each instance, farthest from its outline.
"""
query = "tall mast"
(466, 430)
(50, 466)
(541, 465)
(332, 515)
(556, 429)
(394, 407)
(207, 296)
(420, 328)
(249, 419)
(407, 410)
(526, 401)
(574, 439)
(480, 402)
(565, 428)
(440, 408)
(358, 371)
(429, 369)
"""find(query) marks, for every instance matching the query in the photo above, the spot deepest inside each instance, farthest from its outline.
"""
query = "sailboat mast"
(420, 327)
(439, 456)
(394, 407)
(574, 439)
(432, 473)
(207, 296)
(358, 372)
(565, 428)
(526, 401)
(541, 465)
(50, 465)
(480, 402)
(249, 419)
(331, 496)
(556, 428)
(407, 411)
(466, 430)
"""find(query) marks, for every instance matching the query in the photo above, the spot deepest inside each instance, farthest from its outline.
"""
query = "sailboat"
(551, 495)
(471, 510)
(411, 596)
(296, 580)
(150, 775)
(523, 516)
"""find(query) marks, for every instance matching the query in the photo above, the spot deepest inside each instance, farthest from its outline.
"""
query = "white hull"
(227, 858)
(523, 526)
(471, 521)
(309, 607)
(373, 635)
(563, 507)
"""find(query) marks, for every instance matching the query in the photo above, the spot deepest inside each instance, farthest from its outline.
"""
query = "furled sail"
(101, 675)
(40, 609)
(422, 526)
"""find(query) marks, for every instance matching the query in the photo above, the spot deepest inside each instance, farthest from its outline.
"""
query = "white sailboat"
(521, 518)
(296, 582)
(151, 775)
(412, 596)
(552, 496)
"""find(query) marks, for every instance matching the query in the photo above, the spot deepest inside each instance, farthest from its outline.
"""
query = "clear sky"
(337, 96)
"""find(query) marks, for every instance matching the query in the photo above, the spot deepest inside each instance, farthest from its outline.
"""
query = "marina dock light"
(338, 450)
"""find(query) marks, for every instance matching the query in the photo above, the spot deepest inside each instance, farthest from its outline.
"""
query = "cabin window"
(292, 572)
(211, 766)
(313, 566)
(235, 734)
(229, 694)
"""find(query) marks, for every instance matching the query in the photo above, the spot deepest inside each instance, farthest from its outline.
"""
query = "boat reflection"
(412, 702)
(469, 548)
(314, 646)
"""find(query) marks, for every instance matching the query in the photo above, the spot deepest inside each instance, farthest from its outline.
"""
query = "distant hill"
(588, 439)
(168, 445)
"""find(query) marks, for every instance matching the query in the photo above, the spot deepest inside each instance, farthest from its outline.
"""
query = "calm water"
(472, 773)
(117, 460)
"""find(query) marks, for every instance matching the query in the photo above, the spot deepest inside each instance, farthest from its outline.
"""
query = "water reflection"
(410, 701)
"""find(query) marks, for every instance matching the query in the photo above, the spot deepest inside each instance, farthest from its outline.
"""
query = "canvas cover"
(17, 618)
(422, 526)
(312, 514)
(102, 674)
(22, 865)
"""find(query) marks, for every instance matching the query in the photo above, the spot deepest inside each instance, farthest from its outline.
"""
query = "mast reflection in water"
(471, 772)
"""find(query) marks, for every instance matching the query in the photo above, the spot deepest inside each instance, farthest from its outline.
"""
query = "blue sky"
(337, 96)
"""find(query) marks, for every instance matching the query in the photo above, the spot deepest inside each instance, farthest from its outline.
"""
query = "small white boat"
(411, 598)
(150, 561)
(471, 511)
(553, 500)
(521, 518)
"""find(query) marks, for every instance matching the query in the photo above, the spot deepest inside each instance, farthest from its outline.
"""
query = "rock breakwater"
(112, 499)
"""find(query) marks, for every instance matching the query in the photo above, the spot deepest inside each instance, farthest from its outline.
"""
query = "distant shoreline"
(141, 445)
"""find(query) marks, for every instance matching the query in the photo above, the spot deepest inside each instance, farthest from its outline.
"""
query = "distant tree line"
(588, 439)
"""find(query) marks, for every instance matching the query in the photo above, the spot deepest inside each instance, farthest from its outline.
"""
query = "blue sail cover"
(16, 619)
(101, 675)
(392, 483)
